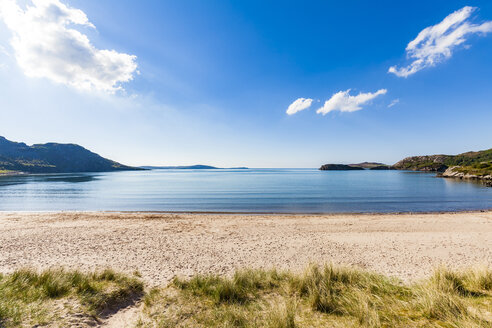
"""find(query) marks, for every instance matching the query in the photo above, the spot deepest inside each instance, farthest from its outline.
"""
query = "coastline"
(472, 211)
(12, 174)
(163, 245)
(455, 173)
(245, 213)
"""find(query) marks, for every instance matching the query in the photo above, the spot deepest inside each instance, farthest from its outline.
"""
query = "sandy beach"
(161, 246)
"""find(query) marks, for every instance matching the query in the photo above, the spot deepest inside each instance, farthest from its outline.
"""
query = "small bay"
(243, 190)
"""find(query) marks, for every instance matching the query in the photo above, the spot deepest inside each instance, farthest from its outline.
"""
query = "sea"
(243, 191)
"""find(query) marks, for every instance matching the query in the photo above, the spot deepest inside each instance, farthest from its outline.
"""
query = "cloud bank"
(298, 105)
(344, 102)
(435, 44)
(46, 45)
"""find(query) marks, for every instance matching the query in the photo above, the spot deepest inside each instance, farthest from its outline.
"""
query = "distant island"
(368, 165)
(359, 166)
(191, 167)
(19, 158)
(475, 165)
(339, 167)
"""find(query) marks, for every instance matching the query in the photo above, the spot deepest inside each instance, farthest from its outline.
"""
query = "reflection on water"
(69, 178)
(253, 190)
(472, 182)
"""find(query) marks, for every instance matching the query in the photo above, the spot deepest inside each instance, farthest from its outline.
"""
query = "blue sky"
(211, 80)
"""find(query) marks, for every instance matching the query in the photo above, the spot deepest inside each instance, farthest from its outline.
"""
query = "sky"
(248, 83)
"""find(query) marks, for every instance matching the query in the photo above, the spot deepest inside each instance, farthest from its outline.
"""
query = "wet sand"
(161, 246)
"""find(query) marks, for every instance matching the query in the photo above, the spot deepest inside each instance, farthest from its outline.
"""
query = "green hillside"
(474, 160)
(53, 158)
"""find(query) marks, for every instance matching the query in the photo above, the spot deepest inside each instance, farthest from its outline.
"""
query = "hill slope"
(439, 163)
(192, 167)
(53, 158)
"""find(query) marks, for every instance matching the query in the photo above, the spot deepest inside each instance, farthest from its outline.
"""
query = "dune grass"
(322, 296)
(29, 298)
(327, 296)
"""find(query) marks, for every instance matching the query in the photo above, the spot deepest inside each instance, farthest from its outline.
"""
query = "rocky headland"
(473, 165)
(459, 172)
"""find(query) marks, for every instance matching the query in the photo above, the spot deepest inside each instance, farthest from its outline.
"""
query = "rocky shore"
(454, 172)
(473, 165)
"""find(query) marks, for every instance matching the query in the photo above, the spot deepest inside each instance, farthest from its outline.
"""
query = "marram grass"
(54, 297)
(323, 296)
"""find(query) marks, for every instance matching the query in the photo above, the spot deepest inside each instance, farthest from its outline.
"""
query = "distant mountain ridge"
(191, 167)
(53, 158)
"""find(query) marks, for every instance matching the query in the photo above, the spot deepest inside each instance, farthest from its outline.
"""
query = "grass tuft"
(283, 316)
(29, 297)
(238, 289)
(322, 296)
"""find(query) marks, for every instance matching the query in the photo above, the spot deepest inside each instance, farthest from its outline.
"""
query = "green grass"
(322, 296)
(470, 158)
(326, 296)
(29, 298)
(421, 165)
(468, 161)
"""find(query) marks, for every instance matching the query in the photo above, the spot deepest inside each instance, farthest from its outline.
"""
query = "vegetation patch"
(322, 296)
(470, 158)
(478, 169)
(327, 296)
(474, 161)
(30, 298)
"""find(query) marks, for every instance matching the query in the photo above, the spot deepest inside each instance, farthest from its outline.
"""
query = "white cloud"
(298, 105)
(435, 44)
(394, 102)
(45, 44)
(344, 102)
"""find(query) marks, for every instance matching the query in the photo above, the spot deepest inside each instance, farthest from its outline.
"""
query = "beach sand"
(160, 246)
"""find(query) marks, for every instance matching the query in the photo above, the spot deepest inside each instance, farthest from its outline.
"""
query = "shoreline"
(163, 245)
(13, 174)
(473, 211)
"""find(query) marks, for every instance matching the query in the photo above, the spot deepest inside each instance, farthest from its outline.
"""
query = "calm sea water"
(253, 190)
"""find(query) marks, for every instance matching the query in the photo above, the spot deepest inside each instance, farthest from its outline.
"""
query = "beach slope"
(161, 246)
